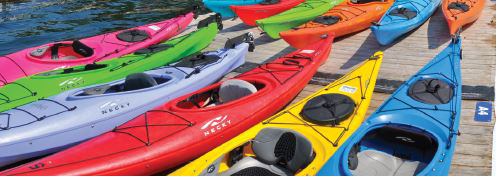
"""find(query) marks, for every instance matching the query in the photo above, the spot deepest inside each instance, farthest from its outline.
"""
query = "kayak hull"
(106, 46)
(456, 19)
(249, 14)
(223, 7)
(358, 17)
(177, 134)
(391, 27)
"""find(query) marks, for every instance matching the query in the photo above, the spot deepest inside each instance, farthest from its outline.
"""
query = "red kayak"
(189, 126)
(85, 51)
(251, 13)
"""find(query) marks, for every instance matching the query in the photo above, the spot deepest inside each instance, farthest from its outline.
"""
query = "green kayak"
(306, 11)
(43, 85)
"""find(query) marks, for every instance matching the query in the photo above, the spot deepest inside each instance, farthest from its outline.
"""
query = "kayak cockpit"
(273, 151)
(133, 82)
(227, 92)
(392, 151)
(74, 50)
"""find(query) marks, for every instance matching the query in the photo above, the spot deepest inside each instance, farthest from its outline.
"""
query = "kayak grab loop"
(461, 6)
(277, 151)
(431, 91)
(270, 2)
(403, 12)
(132, 36)
(327, 20)
(328, 109)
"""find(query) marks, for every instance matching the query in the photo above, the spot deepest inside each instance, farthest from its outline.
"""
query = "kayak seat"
(198, 60)
(154, 49)
(327, 20)
(78, 48)
(234, 89)
(138, 81)
(270, 2)
(403, 12)
(377, 163)
(461, 6)
(132, 36)
(277, 151)
(328, 109)
(431, 91)
(82, 49)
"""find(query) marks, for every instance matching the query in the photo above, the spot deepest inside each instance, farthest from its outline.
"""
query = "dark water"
(29, 23)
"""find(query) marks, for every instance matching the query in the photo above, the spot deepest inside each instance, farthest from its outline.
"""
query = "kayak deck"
(473, 150)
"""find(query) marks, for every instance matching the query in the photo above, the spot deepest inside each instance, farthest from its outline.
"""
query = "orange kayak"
(348, 17)
(461, 12)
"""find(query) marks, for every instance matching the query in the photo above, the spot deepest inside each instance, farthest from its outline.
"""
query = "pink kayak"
(102, 47)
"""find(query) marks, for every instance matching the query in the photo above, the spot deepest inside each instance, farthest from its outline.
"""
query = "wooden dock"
(401, 60)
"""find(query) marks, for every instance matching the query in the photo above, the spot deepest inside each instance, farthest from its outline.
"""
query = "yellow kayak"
(301, 138)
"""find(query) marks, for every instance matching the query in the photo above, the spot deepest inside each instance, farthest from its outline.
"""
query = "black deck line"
(482, 93)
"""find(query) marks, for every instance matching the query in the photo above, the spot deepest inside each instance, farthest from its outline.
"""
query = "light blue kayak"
(402, 17)
(61, 121)
(223, 6)
(414, 132)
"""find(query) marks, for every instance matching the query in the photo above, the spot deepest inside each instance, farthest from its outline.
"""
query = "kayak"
(61, 121)
(296, 16)
(403, 16)
(414, 131)
(461, 12)
(190, 125)
(29, 89)
(222, 6)
(348, 17)
(250, 13)
(89, 50)
(299, 139)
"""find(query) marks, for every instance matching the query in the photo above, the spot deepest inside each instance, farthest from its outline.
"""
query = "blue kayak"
(403, 16)
(61, 121)
(223, 6)
(414, 132)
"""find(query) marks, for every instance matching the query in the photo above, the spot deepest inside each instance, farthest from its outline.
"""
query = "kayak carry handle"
(244, 38)
(212, 18)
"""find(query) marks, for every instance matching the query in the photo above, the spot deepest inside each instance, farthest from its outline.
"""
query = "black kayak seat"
(403, 12)
(459, 6)
(138, 81)
(328, 109)
(270, 2)
(327, 20)
(431, 91)
(82, 49)
(132, 36)
(278, 151)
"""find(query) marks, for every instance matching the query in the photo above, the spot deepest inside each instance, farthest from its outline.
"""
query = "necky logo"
(112, 106)
(71, 83)
(215, 125)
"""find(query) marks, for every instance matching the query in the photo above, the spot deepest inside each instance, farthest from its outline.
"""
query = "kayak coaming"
(390, 27)
(354, 18)
(295, 16)
(26, 90)
(180, 137)
(26, 65)
(250, 13)
(223, 6)
(324, 139)
(84, 120)
(444, 134)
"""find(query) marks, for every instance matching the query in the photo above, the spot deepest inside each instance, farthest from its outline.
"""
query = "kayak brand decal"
(215, 125)
(71, 83)
(348, 89)
(113, 106)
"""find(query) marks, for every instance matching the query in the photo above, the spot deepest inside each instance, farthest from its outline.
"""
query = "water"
(29, 23)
